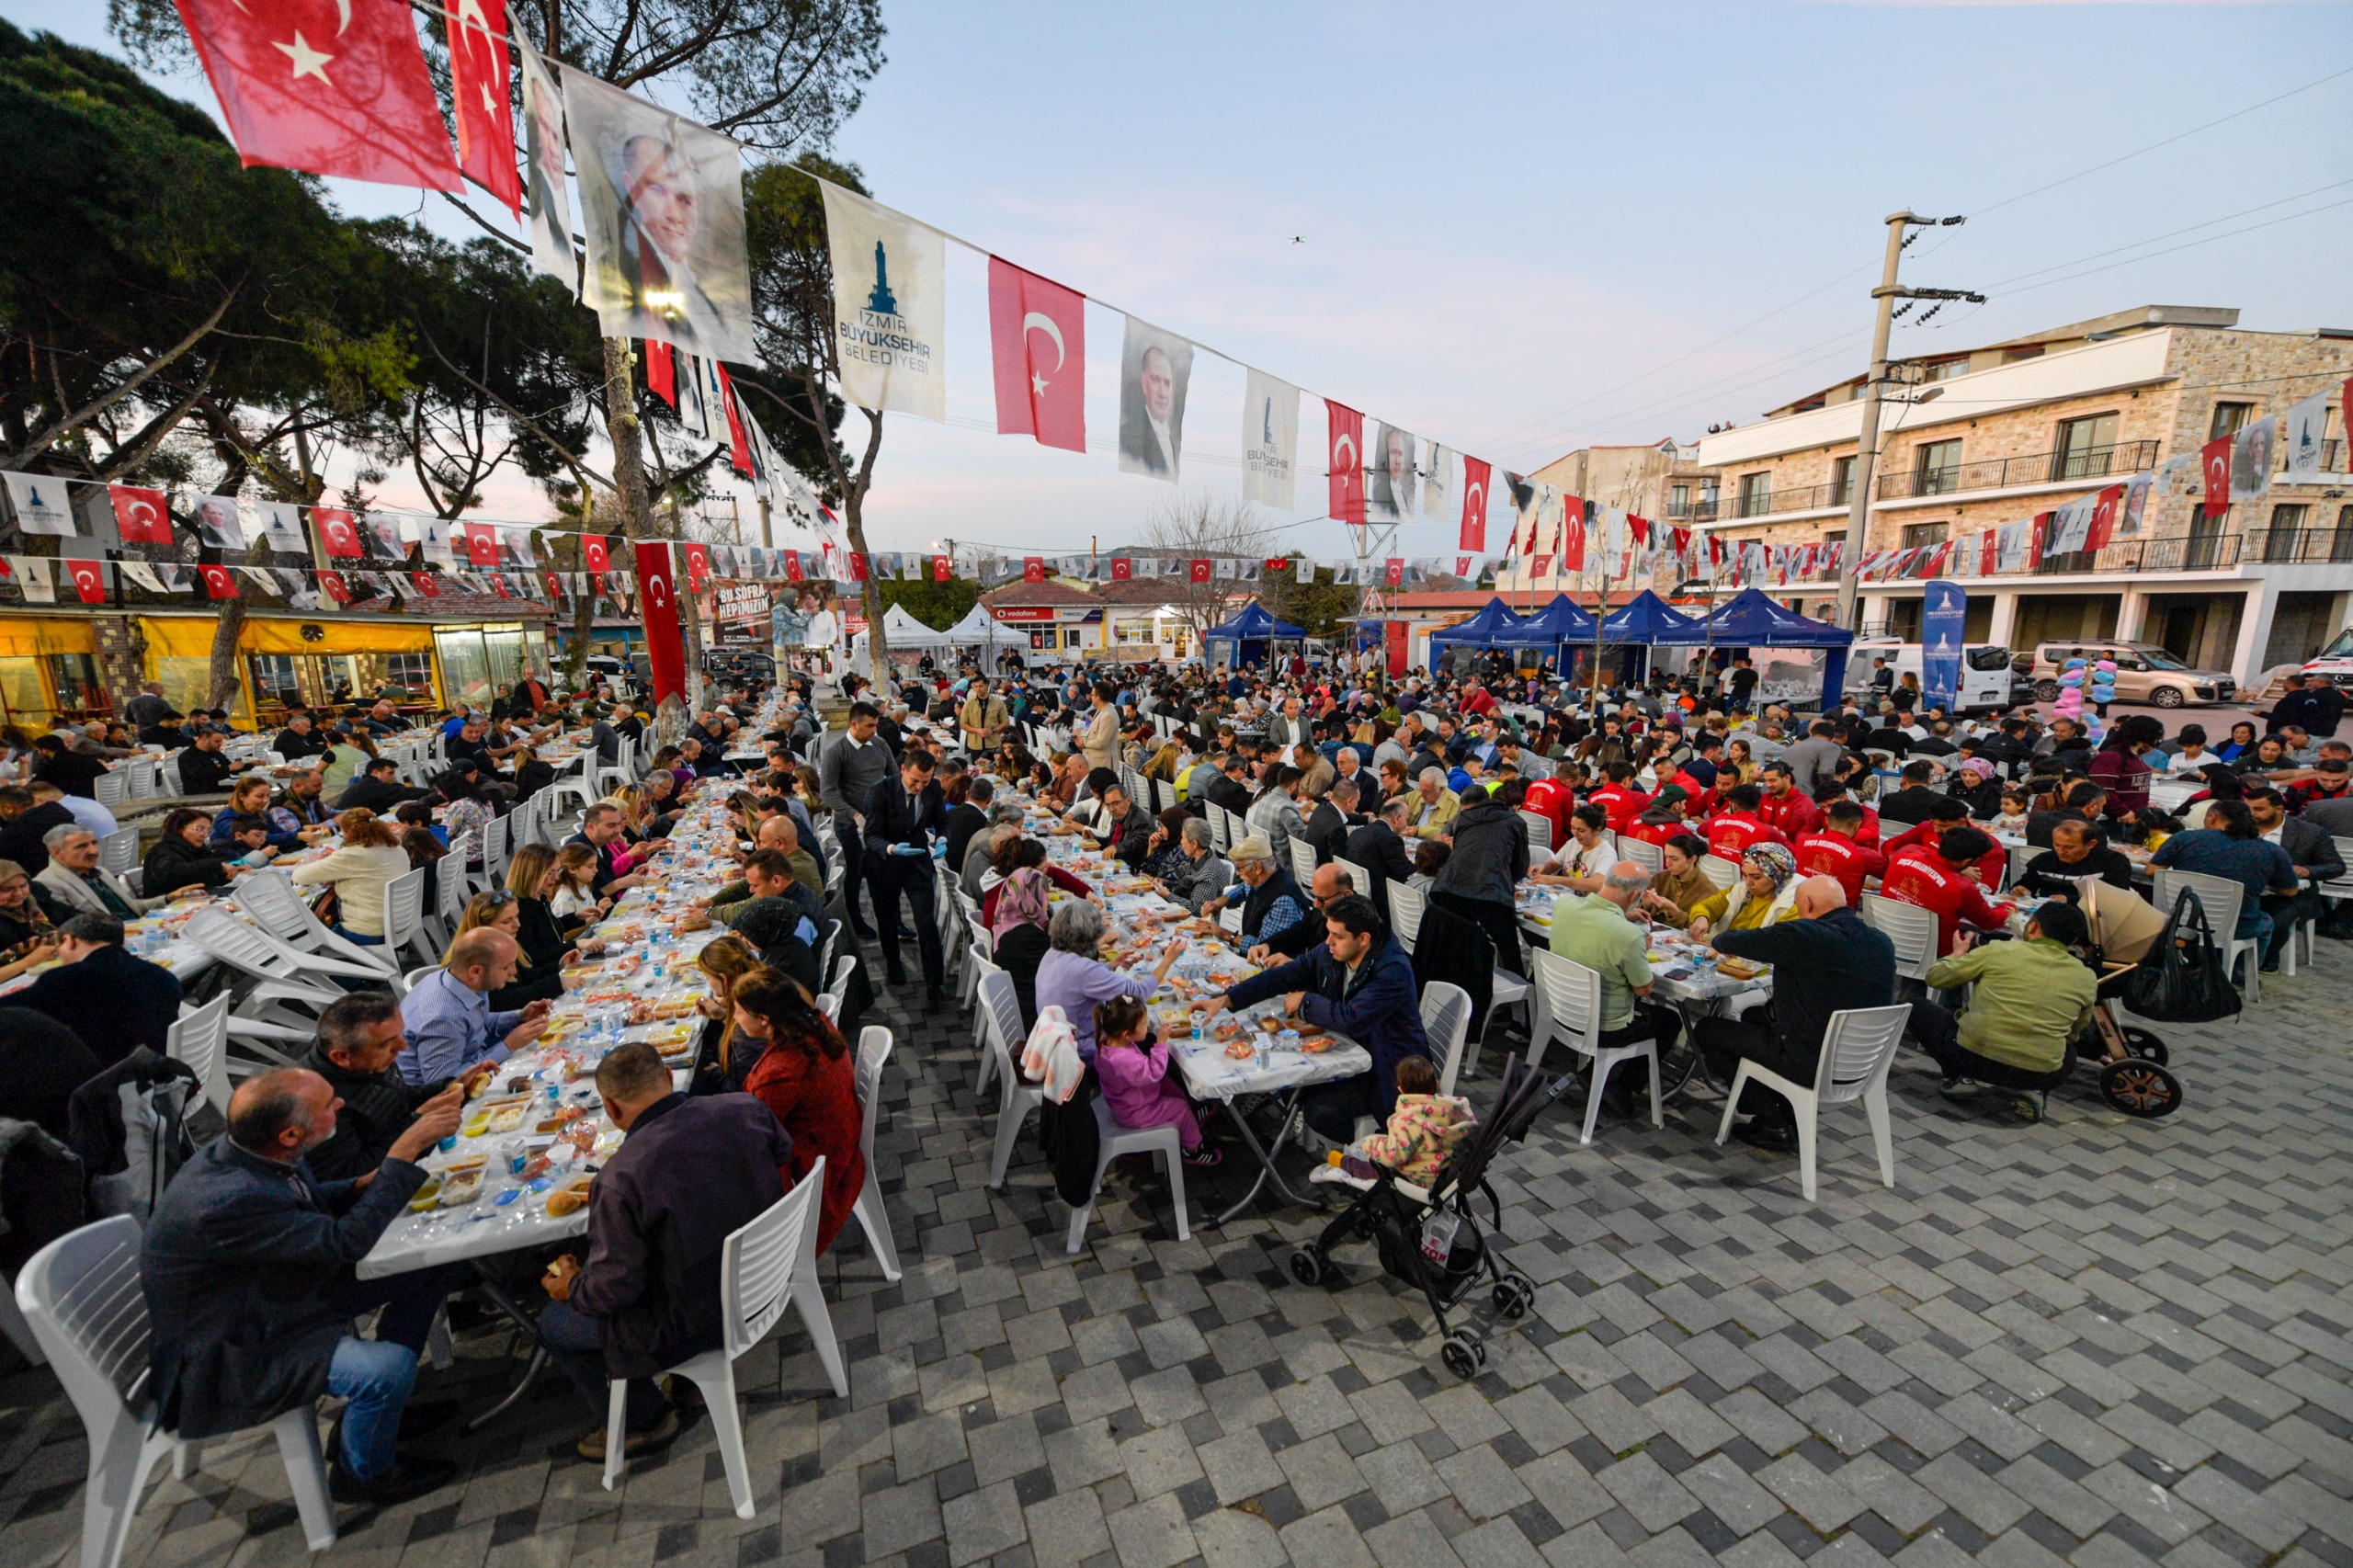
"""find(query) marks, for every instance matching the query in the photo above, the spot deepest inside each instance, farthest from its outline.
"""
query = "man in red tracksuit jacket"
(1738, 826)
(1618, 798)
(1787, 809)
(1923, 838)
(1938, 883)
(1839, 851)
(1829, 792)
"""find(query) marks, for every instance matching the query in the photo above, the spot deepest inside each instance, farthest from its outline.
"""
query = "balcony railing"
(2179, 553)
(2299, 546)
(2004, 473)
(1805, 498)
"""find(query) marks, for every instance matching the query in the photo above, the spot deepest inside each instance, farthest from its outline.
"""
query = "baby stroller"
(1432, 1239)
(2133, 1078)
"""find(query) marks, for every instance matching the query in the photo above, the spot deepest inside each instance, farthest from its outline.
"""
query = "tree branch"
(81, 416)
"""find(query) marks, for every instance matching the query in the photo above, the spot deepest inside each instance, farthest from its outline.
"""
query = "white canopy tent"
(905, 634)
(979, 629)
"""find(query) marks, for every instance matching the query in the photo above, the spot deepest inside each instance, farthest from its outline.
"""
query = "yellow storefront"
(283, 661)
(48, 664)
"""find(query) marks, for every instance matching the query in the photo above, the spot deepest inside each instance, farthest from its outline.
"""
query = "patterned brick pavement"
(2092, 1340)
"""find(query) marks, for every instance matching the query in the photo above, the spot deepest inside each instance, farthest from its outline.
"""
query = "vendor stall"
(1804, 662)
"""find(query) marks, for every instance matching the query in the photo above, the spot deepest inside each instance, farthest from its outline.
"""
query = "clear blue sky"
(1523, 228)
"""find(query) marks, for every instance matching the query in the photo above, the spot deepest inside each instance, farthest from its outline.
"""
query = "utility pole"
(1858, 503)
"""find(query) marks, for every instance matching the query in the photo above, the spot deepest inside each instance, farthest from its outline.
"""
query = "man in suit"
(903, 812)
(1100, 743)
(1123, 826)
(1149, 437)
(1379, 848)
(115, 1002)
(247, 1270)
(1232, 787)
(72, 884)
(2312, 852)
(660, 191)
(1333, 820)
(1288, 728)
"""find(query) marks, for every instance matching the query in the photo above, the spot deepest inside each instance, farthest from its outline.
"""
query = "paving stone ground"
(2093, 1340)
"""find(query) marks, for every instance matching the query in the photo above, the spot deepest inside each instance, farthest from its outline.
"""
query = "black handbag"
(2183, 980)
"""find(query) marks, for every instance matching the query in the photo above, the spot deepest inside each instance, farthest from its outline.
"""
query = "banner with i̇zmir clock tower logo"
(890, 305)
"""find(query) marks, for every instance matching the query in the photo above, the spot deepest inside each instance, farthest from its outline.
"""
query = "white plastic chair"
(1405, 906)
(830, 1005)
(280, 982)
(81, 1296)
(270, 898)
(119, 851)
(1912, 931)
(1114, 1140)
(452, 887)
(112, 788)
(1720, 872)
(1572, 1015)
(1359, 878)
(1446, 1023)
(980, 946)
(404, 917)
(1540, 832)
(494, 834)
(1857, 1049)
(200, 1038)
(767, 1265)
(1220, 836)
(873, 1054)
(2221, 898)
(1000, 1013)
(1302, 863)
(1229, 920)
(1642, 852)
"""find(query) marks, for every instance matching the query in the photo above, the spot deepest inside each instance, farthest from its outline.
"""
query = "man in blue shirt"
(450, 1027)
(2230, 846)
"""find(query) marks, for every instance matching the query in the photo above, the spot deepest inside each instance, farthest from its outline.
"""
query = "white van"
(1985, 673)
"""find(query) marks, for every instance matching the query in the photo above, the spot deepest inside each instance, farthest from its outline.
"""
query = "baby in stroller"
(1422, 1132)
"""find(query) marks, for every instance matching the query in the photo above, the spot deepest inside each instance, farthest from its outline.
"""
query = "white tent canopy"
(903, 632)
(979, 627)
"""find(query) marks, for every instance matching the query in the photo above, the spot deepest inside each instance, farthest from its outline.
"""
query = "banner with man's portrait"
(218, 525)
(662, 206)
(1389, 497)
(544, 193)
(1155, 368)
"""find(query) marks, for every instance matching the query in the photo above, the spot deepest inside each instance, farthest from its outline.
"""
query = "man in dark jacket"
(360, 1035)
(1824, 960)
(2314, 707)
(247, 1267)
(378, 788)
(2313, 854)
(1480, 880)
(23, 823)
(205, 768)
(1360, 984)
(1379, 848)
(1911, 804)
(1232, 788)
(1333, 820)
(689, 1172)
(903, 812)
(1125, 829)
(115, 1002)
(298, 740)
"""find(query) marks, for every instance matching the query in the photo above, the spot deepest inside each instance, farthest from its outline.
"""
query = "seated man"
(115, 1002)
(600, 829)
(1271, 902)
(73, 882)
(2077, 851)
(1596, 933)
(205, 769)
(2032, 999)
(1823, 960)
(1329, 883)
(247, 1267)
(377, 788)
(361, 1036)
(451, 1029)
(1359, 984)
(767, 875)
(689, 1172)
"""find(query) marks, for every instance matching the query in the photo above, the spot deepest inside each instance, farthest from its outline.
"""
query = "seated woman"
(1073, 978)
(359, 870)
(1012, 855)
(806, 1077)
(502, 911)
(723, 1057)
(1017, 936)
(180, 859)
(250, 797)
(546, 940)
(531, 775)
(24, 920)
(1764, 892)
(1680, 887)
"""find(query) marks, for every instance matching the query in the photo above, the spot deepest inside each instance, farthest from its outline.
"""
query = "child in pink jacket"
(1423, 1128)
(1136, 1079)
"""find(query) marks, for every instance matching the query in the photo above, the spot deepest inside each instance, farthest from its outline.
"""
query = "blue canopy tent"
(1560, 621)
(1653, 622)
(1253, 632)
(1749, 620)
(1494, 627)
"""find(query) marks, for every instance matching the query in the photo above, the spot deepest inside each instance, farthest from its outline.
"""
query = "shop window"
(74, 677)
(24, 701)
(465, 668)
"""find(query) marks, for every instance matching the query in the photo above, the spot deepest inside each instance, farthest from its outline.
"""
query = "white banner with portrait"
(1390, 487)
(545, 196)
(1155, 370)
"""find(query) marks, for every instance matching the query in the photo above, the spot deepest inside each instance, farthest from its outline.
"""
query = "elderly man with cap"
(1271, 902)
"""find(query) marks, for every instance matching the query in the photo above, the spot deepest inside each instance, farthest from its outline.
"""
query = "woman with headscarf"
(1017, 934)
(1765, 892)
(1976, 785)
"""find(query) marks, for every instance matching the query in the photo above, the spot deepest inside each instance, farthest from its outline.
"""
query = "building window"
(1842, 481)
(1945, 370)
(2203, 549)
(2085, 447)
(2228, 417)
(1756, 494)
(2341, 547)
(2285, 541)
(1710, 492)
(1936, 468)
(1679, 501)
(1918, 534)
(2023, 351)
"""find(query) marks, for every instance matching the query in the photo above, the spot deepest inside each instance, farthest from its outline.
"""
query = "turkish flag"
(2104, 507)
(739, 447)
(595, 550)
(1033, 568)
(218, 582)
(334, 586)
(1201, 570)
(498, 584)
(1475, 476)
(334, 89)
(943, 568)
(337, 532)
(1989, 547)
(657, 589)
(89, 580)
(794, 571)
(1122, 569)
(1345, 460)
(140, 516)
(698, 567)
(1394, 574)
(1037, 344)
(857, 566)
(554, 584)
(2038, 536)
(1539, 566)
(660, 371)
(478, 92)
(2214, 461)
(427, 583)
(481, 544)
(1572, 534)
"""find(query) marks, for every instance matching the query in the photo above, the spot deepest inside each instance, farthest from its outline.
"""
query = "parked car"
(2144, 672)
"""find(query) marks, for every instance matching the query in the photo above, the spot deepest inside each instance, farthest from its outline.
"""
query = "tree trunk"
(877, 648)
(221, 672)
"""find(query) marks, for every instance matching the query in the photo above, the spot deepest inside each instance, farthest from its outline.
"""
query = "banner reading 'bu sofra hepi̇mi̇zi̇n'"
(890, 305)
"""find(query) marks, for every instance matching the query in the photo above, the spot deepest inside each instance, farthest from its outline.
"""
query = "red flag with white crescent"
(427, 583)
(1572, 534)
(141, 514)
(792, 568)
(739, 446)
(332, 584)
(857, 566)
(1345, 458)
(89, 580)
(2214, 462)
(1476, 476)
(2104, 510)
(481, 544)
(1122, 569)
(1393, 572)
(554, 584)
(595, 550)
(218, 582)
(2040, 535)
(333, 89)
(1202, 571)
(698, 567)
(337, 532)
(480, 96)
(1989, 549)
(660, 371)
(1033, 568)
(943, 568)
(1038, 349)
(657, 588)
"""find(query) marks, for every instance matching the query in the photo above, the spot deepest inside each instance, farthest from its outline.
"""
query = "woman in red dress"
(806, 1076)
